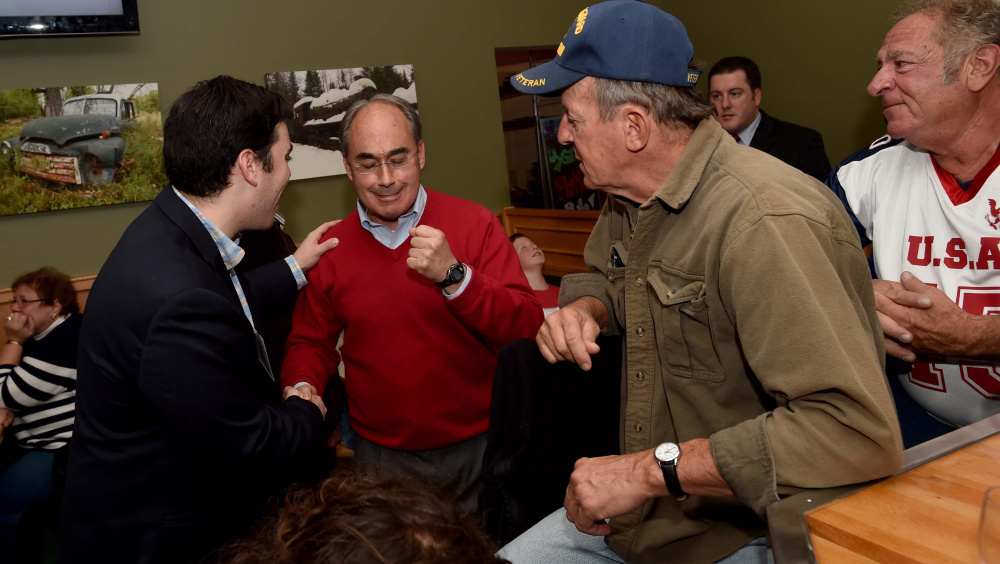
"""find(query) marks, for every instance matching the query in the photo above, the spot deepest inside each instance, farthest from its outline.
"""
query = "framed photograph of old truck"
(79, 146)
(321, 98)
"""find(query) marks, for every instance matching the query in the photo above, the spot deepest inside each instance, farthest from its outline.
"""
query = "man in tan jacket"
(753, 360)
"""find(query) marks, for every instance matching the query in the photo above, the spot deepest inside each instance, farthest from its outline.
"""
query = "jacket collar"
(764, 130)
(686, 174)
(182, 216)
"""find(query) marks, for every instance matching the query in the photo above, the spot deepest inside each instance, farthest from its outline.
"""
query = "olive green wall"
(816, 59)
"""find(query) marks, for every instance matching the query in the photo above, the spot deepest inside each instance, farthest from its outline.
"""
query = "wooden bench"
(81, 284)
(561, 234)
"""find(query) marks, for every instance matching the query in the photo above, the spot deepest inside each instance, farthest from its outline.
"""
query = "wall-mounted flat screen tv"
(24, 18)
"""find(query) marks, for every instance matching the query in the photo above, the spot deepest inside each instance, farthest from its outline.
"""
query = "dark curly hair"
(360, 518)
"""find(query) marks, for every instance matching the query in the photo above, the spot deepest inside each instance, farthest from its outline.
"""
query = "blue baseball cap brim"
(547, 79)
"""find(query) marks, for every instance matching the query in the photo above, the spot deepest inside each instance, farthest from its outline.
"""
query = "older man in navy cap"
(753, 361)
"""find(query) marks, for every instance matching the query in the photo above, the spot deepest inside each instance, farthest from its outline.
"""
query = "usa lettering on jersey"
(955, 254)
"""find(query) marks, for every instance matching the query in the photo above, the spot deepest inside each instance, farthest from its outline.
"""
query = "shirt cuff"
(300, 277)
(300, 384)
(742, 454)
(465, 284)
(575, 286)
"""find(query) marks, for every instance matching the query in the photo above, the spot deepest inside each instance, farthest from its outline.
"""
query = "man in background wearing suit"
(181, 431)
(734, 87)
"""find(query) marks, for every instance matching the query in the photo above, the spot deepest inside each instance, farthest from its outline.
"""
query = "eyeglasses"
(395, 162)
(21, 302)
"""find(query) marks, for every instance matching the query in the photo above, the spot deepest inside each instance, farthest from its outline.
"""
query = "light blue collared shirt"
(747, 134)
(409, 220)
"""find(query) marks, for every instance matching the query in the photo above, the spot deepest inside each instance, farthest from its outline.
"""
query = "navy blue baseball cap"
(621, 40)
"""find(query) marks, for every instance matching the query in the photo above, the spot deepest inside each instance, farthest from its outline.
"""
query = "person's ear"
(756, 97)
(420, 154)
(249, 165)
(348, 168)
(982, 66)
(56, 308)
(636, 125)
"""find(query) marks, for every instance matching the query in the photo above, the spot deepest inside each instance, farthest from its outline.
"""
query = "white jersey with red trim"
(918, 219)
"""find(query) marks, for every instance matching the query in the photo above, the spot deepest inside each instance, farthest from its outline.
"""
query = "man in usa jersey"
(925, 200)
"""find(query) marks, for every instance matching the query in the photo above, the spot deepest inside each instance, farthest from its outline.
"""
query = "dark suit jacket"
(180, 433)
(795, 145)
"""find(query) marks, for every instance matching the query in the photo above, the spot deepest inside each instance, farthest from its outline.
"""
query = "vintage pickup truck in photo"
(83, 146)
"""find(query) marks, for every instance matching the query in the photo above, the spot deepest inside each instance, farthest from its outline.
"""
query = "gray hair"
(964, 26)
(666, 104)
(412, 118)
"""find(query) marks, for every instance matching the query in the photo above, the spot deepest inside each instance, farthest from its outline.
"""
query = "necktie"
(736, 137)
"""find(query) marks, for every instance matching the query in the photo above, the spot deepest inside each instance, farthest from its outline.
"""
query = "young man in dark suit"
(734, 87)
(181, 430)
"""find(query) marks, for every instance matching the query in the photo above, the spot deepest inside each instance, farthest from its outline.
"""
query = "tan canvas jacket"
(749, 317)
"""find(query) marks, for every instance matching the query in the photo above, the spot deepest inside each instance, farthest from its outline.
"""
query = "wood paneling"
(561, 234)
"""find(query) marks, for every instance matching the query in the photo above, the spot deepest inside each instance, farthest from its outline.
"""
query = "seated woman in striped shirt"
(37, 393)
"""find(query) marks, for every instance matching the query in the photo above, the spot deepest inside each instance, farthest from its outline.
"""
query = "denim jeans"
(555, 539)
(25, 482)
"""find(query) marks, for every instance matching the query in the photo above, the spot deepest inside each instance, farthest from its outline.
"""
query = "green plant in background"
(142, 175)
(71, 91)
(10, 129)
(314, 86)
(150, 103)
(18, 104)
(387, 79)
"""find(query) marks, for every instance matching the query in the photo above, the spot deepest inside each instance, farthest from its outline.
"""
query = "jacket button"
(611, 277)
(638, 428)
(640, 331)
(640, 377)
(638, 280)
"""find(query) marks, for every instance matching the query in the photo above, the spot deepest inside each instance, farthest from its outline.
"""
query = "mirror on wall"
(541, 172)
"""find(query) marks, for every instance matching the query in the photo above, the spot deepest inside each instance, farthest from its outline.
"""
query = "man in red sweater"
(426, 289)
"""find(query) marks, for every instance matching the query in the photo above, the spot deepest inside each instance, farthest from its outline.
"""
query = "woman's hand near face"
(19, 327)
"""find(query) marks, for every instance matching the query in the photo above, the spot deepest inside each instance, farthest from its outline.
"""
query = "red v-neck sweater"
(419, 367)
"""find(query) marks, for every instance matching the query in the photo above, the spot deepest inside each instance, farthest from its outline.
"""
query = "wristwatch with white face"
(666, 456)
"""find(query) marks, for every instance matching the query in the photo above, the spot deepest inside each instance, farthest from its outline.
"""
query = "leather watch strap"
(669, 470)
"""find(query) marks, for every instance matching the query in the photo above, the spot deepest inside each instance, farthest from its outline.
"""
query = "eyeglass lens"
(396, 162)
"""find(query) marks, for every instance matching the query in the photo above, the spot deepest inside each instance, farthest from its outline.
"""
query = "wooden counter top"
(921, 514)
(928, 514)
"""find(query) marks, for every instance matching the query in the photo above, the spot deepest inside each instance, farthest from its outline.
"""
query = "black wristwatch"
(666, 456)
(456, 273)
